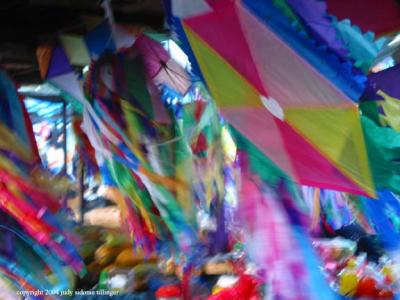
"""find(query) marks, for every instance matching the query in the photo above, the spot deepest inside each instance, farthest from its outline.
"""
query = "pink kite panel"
(154, 55)
(288, 77)
(258, 125)
(311, 167)
(221, 30)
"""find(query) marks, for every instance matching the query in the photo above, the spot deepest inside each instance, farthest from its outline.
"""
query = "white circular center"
(273, 107)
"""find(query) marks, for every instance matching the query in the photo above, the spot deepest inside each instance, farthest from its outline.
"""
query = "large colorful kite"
(291, 100)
